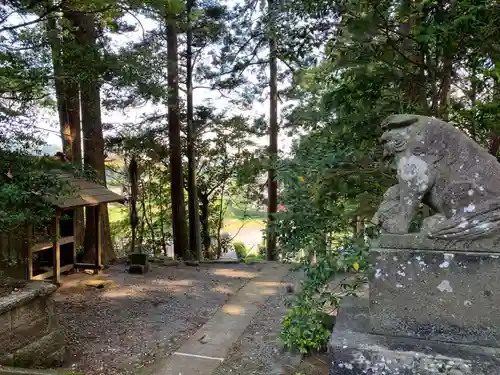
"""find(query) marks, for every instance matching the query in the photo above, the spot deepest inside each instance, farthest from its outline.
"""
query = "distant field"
(233, 224)
(117, 213)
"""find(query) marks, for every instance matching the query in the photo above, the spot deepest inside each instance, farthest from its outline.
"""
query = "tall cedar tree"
(194, 214)
(174, 136)
(253, 48)
(85, 30)
(68, 100)
(273, 134)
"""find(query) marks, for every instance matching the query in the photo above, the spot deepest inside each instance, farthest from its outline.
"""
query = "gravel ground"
(126, 326)
(257, 352)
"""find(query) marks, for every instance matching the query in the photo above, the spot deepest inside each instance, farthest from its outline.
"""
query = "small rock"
(202, 339)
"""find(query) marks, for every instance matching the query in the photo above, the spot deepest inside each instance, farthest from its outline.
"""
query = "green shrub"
(306, 327)
(303, 330)
(241, 250)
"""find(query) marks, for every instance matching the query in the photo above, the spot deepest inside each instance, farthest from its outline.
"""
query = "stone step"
(5, 370)
(354, 351)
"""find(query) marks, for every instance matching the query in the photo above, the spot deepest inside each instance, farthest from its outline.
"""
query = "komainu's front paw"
(395, 225)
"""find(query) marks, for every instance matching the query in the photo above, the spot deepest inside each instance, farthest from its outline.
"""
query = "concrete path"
(208, 347)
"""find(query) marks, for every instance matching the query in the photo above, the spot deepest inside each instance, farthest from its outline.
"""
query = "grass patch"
(117, 213)
(234, 224)
(252, 258)
(236, 213)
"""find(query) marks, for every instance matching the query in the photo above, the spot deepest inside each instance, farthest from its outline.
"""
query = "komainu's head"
(398, 133)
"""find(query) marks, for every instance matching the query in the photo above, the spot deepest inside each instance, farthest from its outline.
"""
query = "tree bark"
(205, 224)
(194, 215)
(93, 140)
(68, 106)
(174, 136)
(272, 184)
(413, 84)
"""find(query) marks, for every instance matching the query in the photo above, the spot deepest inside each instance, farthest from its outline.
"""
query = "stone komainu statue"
(440, 166)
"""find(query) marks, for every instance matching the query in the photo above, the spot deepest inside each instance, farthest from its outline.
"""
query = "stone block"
(37, 353)
(446, 296)
(355, 351)
(138, 269)
(5, 323)
(139, 263)
(29, 328)
(422, 242)
(25, 335)
(24, 315)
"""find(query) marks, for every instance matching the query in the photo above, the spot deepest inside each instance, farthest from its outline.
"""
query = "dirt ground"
(316, 364)
(258, 352)
(132, 320)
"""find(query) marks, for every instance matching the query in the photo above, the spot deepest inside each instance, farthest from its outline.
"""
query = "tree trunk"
(494, 145)
(68, 107)
(205, 224)
(93, 141)
(272, 184)
(174, 136)
(194, 215)
(413, 84)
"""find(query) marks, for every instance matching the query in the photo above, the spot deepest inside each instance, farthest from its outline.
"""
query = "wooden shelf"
(50, 273)
(47, 245)
(89, 266)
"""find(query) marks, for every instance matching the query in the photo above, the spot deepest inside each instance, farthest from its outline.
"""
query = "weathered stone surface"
(31, 291)
(6, 370)
(37, 353)
(24, 315)
(440, 166)
(30, 332)
(21, 336)
(436, 295)
(354, 351)
(5, 324)
(420, 242)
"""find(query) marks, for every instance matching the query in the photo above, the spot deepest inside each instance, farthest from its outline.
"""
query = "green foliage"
(307, 327)
(378, 58)
(240, 249)
(28, 186)
(303, 332)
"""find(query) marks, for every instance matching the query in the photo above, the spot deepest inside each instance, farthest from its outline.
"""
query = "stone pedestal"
(429, 309)
(139, 263)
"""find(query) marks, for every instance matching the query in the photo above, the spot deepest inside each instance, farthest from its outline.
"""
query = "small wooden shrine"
(50, 255)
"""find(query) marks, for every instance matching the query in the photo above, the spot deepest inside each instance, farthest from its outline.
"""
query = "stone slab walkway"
(207, 349)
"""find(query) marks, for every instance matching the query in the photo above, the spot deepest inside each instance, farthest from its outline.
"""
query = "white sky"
(49, 120)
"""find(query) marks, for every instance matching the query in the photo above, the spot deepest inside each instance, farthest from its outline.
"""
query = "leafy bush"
(304, 327)
(241, 250)
(225, 242)
(303, 330)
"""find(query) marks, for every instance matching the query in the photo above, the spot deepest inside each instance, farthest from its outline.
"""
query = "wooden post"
(75, 228)
(98, 234)
(56, 234)
(29, 252)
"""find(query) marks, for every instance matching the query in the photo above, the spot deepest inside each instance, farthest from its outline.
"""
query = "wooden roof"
(87, 193)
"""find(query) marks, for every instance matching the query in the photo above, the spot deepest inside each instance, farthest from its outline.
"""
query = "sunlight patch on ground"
(222, 289)
(268, 292)
(120, 293)
(233, 309)
(234, 273)
(168, 282)
(269, 284)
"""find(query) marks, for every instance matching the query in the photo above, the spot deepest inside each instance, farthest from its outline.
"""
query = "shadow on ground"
(136, 319)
